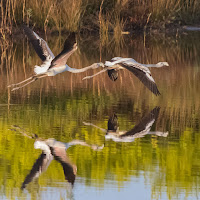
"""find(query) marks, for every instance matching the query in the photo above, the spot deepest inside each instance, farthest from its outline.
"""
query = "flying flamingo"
(141, 71)
(51, 65)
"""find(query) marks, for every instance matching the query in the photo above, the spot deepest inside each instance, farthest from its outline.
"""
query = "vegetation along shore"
(100, 16)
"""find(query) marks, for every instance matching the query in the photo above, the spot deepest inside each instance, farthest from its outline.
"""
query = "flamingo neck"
(75, 70)
(157, 65)
(151, 65)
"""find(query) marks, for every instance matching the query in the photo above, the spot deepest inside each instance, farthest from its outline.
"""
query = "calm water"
(161, 164)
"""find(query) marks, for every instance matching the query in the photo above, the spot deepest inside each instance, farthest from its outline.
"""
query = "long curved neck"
(155, 65)
(74, 70)
(151, 65)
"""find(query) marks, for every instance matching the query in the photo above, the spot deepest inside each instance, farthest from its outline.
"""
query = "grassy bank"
(103, 16)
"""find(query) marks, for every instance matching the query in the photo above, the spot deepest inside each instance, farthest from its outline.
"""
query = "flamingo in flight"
(141, 71)
(51, 65)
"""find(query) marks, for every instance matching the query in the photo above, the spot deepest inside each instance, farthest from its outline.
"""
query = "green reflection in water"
(58, 107)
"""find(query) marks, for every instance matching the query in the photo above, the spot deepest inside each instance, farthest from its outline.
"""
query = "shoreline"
(16, 33)
(150, 29)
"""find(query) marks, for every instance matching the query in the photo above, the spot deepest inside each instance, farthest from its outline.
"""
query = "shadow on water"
(57, 107)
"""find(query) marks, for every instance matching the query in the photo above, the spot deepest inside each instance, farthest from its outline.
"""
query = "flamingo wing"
(69, 47)
(39, 166)
(143, 74)
(144, 126)
(40, 45)
(68, 168)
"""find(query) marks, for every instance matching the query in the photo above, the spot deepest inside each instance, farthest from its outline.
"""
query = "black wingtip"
(25, 27)
(113, 74)
(156, 109)
(158, 93)
(154, 89)
(70, 42)
(28, 32)
(155, 112)
(113, 123)
(23, 186)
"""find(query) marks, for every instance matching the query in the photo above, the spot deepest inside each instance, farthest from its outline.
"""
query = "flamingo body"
(52, 65)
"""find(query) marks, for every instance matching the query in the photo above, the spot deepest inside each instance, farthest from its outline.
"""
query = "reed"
(83, 15)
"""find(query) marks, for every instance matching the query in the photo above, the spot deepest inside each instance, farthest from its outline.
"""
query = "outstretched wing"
(69, 47)
(40, 46)
(39, 166)
(113, 123)
(68, 168)
(145, 124)
(143, 74)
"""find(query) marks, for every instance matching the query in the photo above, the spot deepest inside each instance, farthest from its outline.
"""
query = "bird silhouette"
(141, 71)
(51, 65)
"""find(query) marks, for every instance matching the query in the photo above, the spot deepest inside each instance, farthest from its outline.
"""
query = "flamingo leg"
(82, 143)
(88, 77)
(90, 124)
(16, 84)
(34, 78)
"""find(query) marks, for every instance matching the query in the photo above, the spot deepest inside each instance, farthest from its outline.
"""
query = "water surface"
(148, 167)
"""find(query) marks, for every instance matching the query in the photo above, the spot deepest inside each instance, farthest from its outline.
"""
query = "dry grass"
(102, 16)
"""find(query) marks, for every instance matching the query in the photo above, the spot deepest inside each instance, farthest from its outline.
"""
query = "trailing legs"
(30, 80)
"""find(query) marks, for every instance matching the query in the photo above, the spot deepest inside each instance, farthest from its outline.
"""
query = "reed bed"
(106, 16)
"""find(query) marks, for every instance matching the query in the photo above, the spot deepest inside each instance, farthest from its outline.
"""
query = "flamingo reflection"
(52, 150)
(140, 130)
